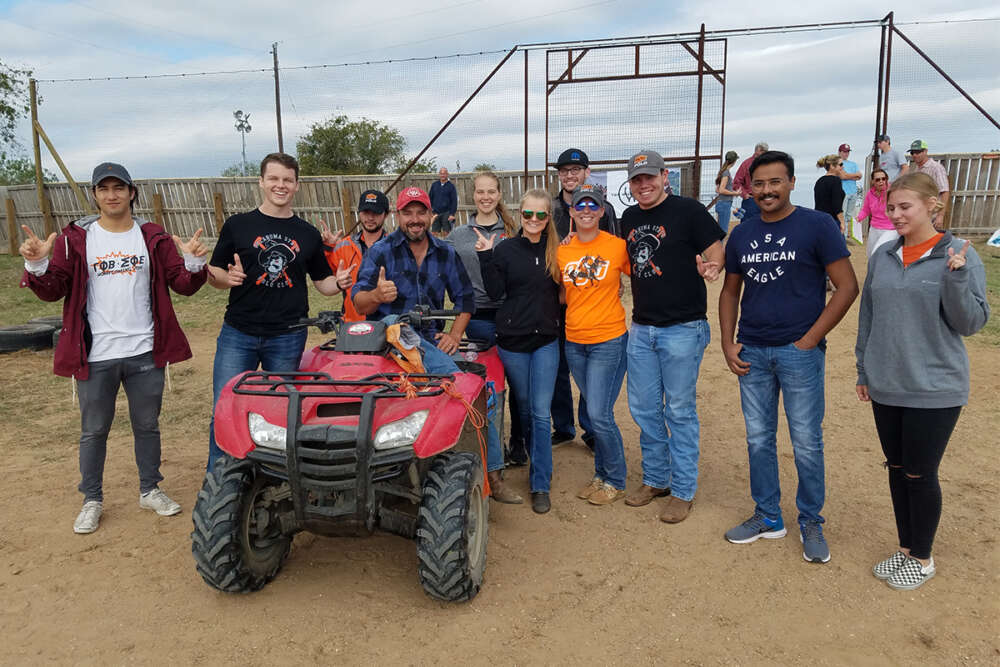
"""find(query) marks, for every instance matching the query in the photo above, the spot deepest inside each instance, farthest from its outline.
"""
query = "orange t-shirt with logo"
(591, 276)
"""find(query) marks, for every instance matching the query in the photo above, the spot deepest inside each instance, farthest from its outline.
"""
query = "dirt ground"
(581, 584)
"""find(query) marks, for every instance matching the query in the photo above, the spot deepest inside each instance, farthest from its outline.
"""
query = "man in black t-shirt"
(263, 258)
(667, 237)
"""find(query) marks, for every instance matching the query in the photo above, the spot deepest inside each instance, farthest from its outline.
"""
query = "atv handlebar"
(329, 320)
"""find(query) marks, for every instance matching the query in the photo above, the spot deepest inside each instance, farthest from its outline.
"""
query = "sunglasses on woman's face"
(586, 205)
(540, 216)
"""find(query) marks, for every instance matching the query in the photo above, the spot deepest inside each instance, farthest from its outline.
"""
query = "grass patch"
(991, 261)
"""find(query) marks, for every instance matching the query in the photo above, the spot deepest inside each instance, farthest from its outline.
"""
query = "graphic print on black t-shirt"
(277, 251)
(643, 242)
(587, 271)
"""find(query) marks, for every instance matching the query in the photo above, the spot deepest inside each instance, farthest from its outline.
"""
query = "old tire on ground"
(451, 528)
(237, 543)
(26, 337)
(51, 320)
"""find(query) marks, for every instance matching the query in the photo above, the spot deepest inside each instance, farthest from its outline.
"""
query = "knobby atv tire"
(228, 553)
(26, 336)
(451, 528)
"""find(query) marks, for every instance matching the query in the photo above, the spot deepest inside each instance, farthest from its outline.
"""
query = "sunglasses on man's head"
(586, 205)
(540, 216)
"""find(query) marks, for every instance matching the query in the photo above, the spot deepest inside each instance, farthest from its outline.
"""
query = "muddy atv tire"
(451, 528)
(232, 550)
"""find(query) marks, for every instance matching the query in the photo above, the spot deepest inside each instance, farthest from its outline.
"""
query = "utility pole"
(243, 127)
(277, 97)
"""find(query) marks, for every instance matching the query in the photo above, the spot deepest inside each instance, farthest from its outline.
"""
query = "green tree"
(485, 166)
(236, 169)
(14, 103)
(425, 166)
(343, 146)
(20, 171)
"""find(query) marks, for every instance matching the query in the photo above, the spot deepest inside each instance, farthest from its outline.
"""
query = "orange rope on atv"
(478, 421)
(404, 386)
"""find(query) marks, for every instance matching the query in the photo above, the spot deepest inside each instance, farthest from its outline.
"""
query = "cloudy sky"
(804, 92)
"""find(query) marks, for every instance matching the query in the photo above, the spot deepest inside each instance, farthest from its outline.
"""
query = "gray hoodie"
(910, 351)
(463, 239)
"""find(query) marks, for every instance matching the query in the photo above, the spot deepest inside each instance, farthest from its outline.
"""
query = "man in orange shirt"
(347, 253)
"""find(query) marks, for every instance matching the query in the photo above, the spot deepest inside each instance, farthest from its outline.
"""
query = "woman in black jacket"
(523, 272)
(828, 191)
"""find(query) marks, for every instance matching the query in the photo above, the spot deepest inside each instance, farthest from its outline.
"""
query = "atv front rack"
(333, 470)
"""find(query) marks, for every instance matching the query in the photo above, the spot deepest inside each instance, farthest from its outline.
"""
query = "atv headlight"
(266, 434)
(401, 432)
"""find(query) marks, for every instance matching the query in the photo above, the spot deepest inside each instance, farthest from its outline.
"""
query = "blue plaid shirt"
(441, 271)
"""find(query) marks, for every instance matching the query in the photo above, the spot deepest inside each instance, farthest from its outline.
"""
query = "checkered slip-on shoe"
(911, 574)
(888, 567)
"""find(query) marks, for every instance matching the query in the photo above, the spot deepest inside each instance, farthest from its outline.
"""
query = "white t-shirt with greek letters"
(119, 307)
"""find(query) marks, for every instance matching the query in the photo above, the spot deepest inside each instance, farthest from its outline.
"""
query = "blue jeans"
(749, 208)
(533, 375)
(663, 365)
(562, 398)
(799, 376)
(237, 352)
(599, 369)
(724, 211)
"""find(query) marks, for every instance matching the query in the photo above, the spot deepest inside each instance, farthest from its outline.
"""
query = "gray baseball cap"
(110, 170)
(645, 162)
(588, 191)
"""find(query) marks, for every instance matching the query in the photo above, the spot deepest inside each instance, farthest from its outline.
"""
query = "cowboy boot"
(500, 491)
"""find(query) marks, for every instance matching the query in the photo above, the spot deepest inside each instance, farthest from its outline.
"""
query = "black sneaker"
(540, 502)
(561, 438)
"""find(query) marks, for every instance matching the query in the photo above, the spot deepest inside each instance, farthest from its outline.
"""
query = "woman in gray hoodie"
(922, 294)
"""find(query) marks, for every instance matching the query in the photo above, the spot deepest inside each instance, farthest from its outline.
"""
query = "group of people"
(548, 292)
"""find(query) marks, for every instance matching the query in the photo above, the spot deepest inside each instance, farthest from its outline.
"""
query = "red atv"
(347, 445)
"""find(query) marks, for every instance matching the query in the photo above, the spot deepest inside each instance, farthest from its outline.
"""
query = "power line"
(71, 38)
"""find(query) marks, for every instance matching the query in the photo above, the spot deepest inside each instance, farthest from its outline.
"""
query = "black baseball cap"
(573, 156)
(373, 200)
(110, 170)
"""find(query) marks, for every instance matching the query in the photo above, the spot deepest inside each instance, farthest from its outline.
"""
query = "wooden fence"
(182, 205)
(974, 207)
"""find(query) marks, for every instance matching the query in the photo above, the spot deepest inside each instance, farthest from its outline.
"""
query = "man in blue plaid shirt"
(411, 267)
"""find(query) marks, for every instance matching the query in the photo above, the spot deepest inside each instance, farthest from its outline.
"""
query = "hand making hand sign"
(329, 238)
(193, 247)
(235, 274)
(33, 248)
(957, 260)
(707, 270)
(344, 277)
(484, 243)
(385, 290)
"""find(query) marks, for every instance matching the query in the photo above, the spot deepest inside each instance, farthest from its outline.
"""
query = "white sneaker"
(88, 518)
(159, 502)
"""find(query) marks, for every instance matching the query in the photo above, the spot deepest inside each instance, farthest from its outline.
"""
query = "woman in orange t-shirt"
(591, 264)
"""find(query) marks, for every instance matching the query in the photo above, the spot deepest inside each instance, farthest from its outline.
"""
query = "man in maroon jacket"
(119, 327)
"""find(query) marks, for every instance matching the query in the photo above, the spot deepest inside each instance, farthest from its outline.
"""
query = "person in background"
(444, 204)
(113, 271)
(828, 195)
(741, 183)
(345, 255)
(724, 202)
(890, 160)
(849, 181)
(491, 220)
(925, 164)
(778, 259)
(880, 228)
(922, 294)
(523, 272)
(591, 265)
